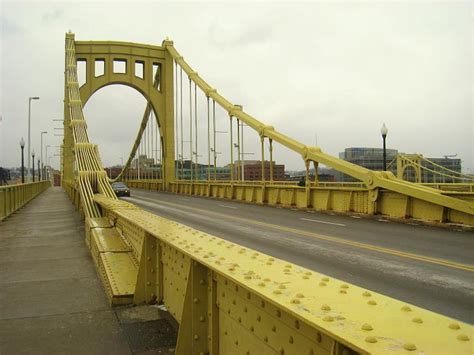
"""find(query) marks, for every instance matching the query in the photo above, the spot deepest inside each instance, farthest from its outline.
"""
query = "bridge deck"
(51, 299)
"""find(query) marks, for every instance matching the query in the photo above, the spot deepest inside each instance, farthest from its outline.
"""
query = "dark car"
(121, 189)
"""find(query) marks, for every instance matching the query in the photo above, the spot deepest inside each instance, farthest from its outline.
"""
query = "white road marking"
(358, 217)
(325, 222)
(234, 208)
(383, 220)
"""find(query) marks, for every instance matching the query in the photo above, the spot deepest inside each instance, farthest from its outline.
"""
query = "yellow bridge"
(228, 297)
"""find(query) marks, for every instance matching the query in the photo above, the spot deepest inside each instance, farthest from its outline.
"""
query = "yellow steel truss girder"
(242, 300)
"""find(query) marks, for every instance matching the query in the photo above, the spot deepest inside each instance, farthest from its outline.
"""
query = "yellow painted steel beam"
(250, 301)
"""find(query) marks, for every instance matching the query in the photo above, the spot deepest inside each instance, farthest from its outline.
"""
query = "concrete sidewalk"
(51, 299)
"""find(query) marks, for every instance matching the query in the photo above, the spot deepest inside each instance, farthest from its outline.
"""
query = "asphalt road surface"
(427, 266)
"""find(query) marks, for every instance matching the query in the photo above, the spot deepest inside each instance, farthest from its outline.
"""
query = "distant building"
(185, 170)
(253, 170)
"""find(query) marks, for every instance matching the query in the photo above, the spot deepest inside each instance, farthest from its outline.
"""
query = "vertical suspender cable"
(238, 150)
(208, 143)
(214, 128)
(181, 114)
(176, 153)
(196, 175)
(190, 132)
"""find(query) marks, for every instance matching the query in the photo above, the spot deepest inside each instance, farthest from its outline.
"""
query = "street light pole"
(22, 145)
(29, 126)
(33, 156)
(42, 163)
(47, 161)
(384, 132)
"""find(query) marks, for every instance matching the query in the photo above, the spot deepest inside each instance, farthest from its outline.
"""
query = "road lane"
(440, 280)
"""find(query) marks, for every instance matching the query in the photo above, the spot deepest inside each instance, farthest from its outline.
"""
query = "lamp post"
(384, 132)
(33, 158)
(39, 176)
(29, 125)
(47, 161)
(22, 145)
(42, 163)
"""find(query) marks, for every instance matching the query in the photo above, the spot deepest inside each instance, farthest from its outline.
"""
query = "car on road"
(121, 189)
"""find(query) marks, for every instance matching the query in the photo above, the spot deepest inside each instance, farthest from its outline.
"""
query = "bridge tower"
(148, 69)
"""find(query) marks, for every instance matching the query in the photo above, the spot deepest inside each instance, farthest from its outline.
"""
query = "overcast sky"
(333, 69)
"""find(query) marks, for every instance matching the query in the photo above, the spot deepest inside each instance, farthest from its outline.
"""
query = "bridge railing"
(13, 197)
(230, 299)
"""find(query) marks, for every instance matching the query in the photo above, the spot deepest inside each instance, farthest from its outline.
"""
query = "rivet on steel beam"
(325, 307)
(252, 328)
(325, 279)
(417, 320)
(406, 309)
(282, 287)
(299, 295)
(262, 284)
(277, 292)
(202, 282)
(266, 279)
(372, 303)
(265, 339)
(259, 318)
(297, 324)
(245, 309)
(278, 313)
(240, 319)
(233, 302)
(343, 291)
(328, 318)
(319, 337)
(196, 300)
(462, 337)
(148, 283)
(196, 337)
(366, 294)
(371, 339)
(274, 329)
(454, 326)
(322, 284)
(409, 346)
(291, 340)
(202, 319)
(367, 327)
(148, 258)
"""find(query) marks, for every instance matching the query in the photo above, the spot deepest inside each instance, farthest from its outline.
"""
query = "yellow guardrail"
(13, 197)
(230, 299)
